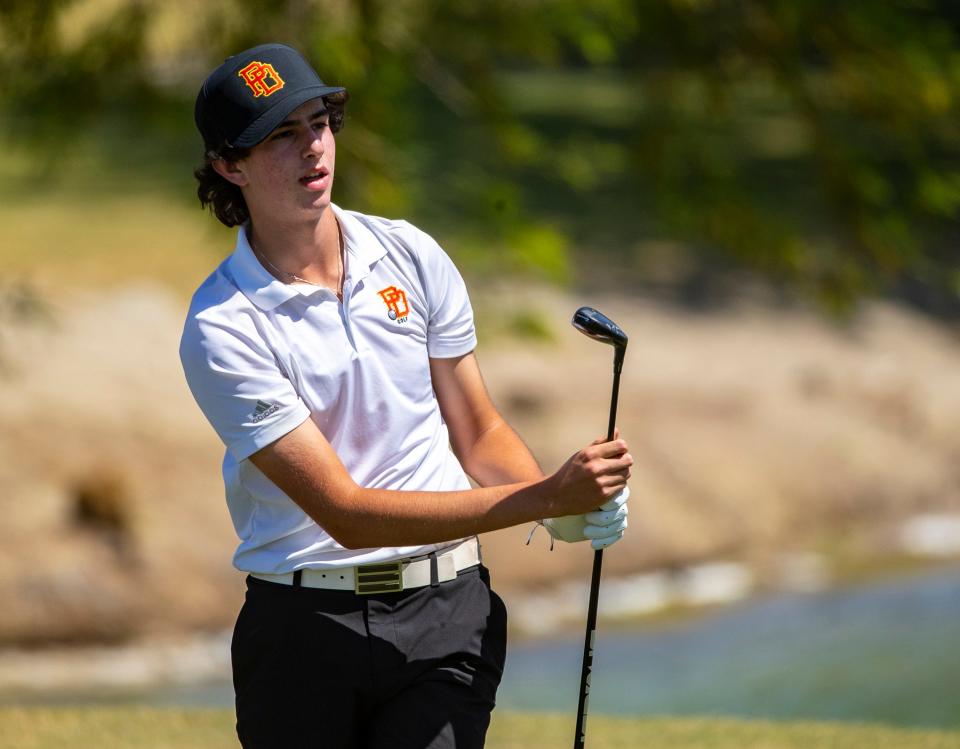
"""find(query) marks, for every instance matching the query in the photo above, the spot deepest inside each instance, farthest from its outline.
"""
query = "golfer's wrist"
(547, 505)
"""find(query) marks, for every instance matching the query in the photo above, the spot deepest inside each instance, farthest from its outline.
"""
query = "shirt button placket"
(345, 314)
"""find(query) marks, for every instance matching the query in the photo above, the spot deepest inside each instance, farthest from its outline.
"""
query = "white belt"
(386, 577)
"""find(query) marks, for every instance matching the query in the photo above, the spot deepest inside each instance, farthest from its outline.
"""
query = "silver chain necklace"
(295, 277)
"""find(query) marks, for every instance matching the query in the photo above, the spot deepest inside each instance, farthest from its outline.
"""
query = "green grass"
(143, 728)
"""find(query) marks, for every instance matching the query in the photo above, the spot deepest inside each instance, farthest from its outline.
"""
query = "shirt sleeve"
(238, 384)
(450, 326)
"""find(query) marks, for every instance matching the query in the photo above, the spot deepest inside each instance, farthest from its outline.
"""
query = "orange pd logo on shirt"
(261, 78)
(396, 301)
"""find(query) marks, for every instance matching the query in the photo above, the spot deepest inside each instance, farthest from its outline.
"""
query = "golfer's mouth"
(317, 179)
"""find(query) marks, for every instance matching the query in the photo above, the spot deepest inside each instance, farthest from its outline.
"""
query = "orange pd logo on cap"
(261, 77)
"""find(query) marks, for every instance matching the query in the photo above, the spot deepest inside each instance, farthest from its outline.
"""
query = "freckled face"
(289, 175)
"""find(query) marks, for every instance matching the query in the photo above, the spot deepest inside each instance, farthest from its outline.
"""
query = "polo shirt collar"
(362, 247)
(259, 285)
(256, 283)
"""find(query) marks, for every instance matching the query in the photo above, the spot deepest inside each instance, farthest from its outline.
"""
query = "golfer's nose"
(314, 144)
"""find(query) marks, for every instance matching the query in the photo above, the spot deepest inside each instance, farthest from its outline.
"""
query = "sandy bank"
(758, 433)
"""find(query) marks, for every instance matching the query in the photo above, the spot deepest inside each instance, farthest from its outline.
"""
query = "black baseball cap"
(252, 92)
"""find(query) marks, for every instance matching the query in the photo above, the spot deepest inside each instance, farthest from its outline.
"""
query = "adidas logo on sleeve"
(263, 410)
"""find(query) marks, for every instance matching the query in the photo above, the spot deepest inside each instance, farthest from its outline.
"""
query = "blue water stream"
(881, 652)
(885, 651)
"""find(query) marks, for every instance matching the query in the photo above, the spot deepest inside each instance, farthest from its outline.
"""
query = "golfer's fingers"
(605, 472)
(601, 440)
(599, 531)
(603, 543)
(609, 491)
(615, 502)
(612, 449)
(610, 485)
(614, 466)
(603, 518)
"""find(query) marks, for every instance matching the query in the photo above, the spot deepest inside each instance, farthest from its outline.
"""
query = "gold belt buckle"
(385, 577)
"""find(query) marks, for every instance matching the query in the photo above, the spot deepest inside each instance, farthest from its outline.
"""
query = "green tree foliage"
(814, 141)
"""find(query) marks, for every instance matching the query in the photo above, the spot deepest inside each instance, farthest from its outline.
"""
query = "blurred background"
(763, 194)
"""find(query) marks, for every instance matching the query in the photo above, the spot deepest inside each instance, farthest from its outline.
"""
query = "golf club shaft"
(612, 424)
(580, 736)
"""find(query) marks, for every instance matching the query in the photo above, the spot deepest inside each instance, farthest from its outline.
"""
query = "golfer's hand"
(603, 527)
(587, 480)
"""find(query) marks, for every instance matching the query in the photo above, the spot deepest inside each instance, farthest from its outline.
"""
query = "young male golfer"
(333, 354)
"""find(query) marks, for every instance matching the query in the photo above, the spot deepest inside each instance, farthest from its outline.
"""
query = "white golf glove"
(602, 527)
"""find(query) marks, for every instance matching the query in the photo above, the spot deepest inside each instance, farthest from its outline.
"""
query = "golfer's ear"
(231, 172)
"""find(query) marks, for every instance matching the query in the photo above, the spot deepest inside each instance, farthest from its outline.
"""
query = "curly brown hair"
(226, 199)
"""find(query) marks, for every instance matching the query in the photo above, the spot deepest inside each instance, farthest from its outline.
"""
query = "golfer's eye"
(281, 134)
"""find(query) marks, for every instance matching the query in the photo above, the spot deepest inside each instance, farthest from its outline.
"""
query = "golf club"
(599, 327)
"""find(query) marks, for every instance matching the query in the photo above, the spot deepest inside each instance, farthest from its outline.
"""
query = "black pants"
(331, 669)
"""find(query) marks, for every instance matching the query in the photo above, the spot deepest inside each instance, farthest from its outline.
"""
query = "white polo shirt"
(262, 356)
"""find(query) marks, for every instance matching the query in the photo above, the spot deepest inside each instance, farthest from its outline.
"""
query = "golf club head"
(599, 327)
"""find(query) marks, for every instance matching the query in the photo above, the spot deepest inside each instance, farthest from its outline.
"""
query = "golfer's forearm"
(499, 456)
(365, 518)
(305, 467)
